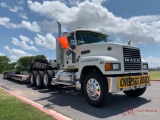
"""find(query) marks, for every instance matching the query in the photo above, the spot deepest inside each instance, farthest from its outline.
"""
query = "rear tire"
(5, 76)
(47, 78)
(95, 88)
(33, 78)
(136, 92)
(39, 79)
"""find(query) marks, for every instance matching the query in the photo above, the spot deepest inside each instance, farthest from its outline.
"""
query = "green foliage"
(12, 65)
(22, 64)
(4, 63)
(39, 56)
(155, 75)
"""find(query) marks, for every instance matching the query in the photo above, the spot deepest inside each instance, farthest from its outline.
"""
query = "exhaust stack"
(59, 50)
(59, 29)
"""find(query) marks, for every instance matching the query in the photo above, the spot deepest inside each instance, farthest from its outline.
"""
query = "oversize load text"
(124, 82)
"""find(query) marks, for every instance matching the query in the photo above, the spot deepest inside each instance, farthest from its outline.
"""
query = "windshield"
(87, 37)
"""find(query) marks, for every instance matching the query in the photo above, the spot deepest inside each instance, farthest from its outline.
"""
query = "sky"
(28, 27)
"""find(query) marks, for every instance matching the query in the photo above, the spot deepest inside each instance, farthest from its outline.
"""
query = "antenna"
(129, 42)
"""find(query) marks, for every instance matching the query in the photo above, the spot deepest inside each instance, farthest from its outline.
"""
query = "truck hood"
(128, 56)
(103, 49)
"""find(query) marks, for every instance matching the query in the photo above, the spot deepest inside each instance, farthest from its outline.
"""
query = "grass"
(12, 108)
(155, 75)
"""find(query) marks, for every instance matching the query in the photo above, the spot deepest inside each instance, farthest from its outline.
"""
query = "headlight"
(112, 66)
(115, 66)
(145, 66)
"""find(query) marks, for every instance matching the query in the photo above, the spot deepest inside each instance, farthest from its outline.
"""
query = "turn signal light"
(107, 66)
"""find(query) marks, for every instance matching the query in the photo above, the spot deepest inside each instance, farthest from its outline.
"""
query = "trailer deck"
(20, 76)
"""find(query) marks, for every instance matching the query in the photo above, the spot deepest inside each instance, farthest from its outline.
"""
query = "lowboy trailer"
(21, 76)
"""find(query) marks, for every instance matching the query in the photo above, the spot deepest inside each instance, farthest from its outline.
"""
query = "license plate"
(130, 81)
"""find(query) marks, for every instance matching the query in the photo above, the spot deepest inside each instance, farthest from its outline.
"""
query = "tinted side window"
(71, 41)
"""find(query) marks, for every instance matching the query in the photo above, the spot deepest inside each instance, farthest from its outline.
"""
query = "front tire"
(95, 88)
(136, 92)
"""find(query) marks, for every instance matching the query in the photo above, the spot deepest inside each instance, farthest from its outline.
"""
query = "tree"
(24, 62)
(12, 65)
(4, 63)
(40, 56)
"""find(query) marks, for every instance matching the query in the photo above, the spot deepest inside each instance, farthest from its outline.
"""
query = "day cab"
(104, 67)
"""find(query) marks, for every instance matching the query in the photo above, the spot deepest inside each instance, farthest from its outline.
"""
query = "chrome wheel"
(93, 89)
(45, 79)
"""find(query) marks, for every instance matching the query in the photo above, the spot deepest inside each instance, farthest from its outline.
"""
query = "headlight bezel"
(146, 66)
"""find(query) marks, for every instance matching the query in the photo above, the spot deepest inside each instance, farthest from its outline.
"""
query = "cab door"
(71, 53)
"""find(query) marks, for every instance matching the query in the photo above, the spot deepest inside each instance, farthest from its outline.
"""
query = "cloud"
(21, 2)
(31, 42)
(91, 14)
(31, 26)
(48, 8)
(2, 54)
(47, 41)
(51, 26)
(153, 61)
(74, 2)
(23, 16)
(23, 43)
(99, 2)
(24, 38)
(34, 27)
(15, 41)
(4, 21)
(16, 53)
(16, 9)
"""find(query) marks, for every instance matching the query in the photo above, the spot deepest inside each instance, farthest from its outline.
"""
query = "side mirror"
(68, 52)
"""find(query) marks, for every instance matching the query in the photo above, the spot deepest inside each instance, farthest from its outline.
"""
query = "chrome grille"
(132, 59)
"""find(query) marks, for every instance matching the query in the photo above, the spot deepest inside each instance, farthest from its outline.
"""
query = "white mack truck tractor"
(87, 60)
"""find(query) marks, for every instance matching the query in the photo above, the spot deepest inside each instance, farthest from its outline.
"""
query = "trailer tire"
(39, 79)
(95, 88)
(5, 76)
(136, 92)
(33, 78)
(47, 78)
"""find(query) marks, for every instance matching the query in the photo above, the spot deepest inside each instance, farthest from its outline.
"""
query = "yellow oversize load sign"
(129, 81)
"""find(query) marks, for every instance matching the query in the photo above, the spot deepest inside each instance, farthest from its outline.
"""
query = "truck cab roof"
(87, 30)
